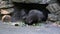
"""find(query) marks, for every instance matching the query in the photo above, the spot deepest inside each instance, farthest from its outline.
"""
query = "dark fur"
(34, 16)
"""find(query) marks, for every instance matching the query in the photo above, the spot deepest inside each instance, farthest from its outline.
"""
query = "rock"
(27, 1)
(7, 11)
(52, 1)
(53, 8)
(55, 12)
(36, 1)
(58, 22)
(47, 1)
(6, 4)
(58, 17)
(18, 0)
(52, 17)
(58, 12)
(6, 18)
(31, 1)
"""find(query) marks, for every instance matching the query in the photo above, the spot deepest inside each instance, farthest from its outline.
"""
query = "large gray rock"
(5, 4)
(7, 11)
(53, 8)
(52, 17)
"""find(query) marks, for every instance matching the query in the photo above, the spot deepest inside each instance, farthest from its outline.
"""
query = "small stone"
(16, 24)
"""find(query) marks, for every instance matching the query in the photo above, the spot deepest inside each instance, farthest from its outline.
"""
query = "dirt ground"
(44, 29)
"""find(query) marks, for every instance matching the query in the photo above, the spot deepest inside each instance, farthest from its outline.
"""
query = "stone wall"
(53, 7)
(55, 13)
